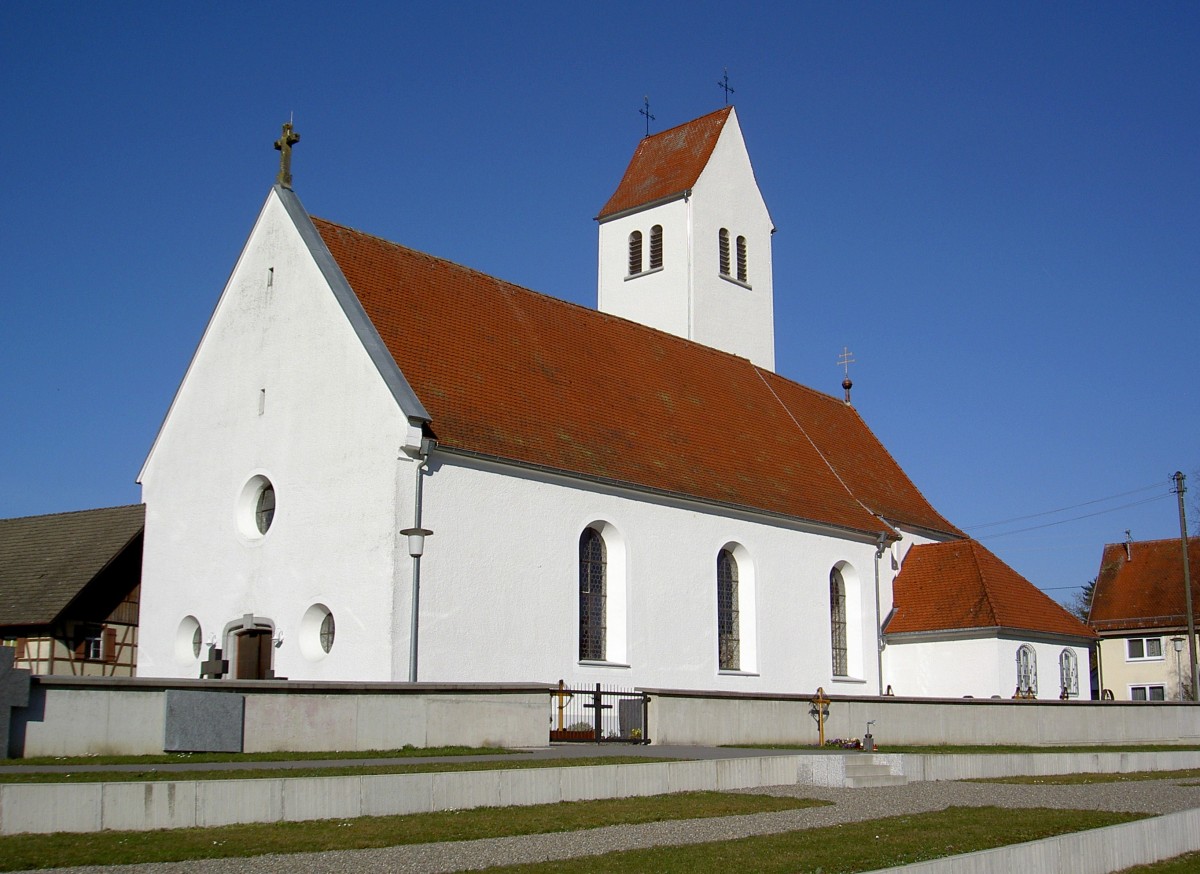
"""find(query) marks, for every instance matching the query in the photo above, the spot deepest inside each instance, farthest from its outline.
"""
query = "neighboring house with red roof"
(69, 591)
(627, 496)
(965, 623)
(1138, 609)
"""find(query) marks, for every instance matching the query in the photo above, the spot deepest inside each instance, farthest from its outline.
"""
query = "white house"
(628, 496)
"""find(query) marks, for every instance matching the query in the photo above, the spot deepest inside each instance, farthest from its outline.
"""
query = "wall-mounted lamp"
(416, 540)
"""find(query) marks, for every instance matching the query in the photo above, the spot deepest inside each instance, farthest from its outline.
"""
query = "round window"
(256, 507)
(317, 632)
(187, 640)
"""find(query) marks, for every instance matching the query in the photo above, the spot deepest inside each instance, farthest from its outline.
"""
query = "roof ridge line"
(983, 580)
(817, 449)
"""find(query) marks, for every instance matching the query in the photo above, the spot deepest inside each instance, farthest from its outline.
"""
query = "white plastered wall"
(981, 667)
(500, 587)
(280, 387)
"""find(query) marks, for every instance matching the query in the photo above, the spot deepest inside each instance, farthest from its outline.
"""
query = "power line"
(1064, 509)
(1075, 518)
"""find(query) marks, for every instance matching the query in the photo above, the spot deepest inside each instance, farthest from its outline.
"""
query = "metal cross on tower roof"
(724, 85)
(845, 360)
(284, 146)
(646, 112)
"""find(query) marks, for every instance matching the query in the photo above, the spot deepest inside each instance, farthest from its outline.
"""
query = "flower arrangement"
(847, 743)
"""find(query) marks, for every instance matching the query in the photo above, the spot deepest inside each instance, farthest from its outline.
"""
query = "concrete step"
(866, 770)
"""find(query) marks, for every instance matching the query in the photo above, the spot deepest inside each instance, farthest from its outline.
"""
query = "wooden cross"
(283, 145)
(725, 85)
(646, 112)
(820, 703)
(563, 697)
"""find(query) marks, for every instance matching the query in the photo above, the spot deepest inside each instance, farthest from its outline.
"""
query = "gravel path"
(850, 805)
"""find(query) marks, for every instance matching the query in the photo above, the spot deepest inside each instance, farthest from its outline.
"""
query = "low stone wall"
(680, 717)
(72, 716)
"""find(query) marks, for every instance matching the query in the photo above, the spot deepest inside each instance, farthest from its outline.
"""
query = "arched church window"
(728, 641)
(656, 251)
(723, 241)
(1026, 671)
(635, 253)
(592, 584)
(741, 260)
(1068, 673)
(837, 622)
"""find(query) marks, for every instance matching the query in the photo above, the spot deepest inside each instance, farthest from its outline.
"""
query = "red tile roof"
(961, 585)
(509, 373)
(667, 164)
(1144, 590)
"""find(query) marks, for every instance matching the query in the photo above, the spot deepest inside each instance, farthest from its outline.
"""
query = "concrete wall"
(685, 718)
(86, 716)
(49, 807)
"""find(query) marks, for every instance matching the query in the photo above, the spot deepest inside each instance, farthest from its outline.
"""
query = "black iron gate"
(599, 715)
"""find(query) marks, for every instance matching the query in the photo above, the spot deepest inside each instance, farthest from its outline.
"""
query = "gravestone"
(203, 722)
(14, 692)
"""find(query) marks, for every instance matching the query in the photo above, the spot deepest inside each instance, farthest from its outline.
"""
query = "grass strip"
(860, 846)
(1189, 863)
(1084, 778)
(985, 750)
(154, 776)
(181, 758)
(18, 852)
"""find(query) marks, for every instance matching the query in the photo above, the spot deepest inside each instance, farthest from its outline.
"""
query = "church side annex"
(626, 495)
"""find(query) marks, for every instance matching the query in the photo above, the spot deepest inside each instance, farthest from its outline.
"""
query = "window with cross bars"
(837, 623)
(728, 642)
(1068, 673)
(592, 585)
(1026, 670)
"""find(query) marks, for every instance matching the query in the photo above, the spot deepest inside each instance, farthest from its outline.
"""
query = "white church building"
(628, 495)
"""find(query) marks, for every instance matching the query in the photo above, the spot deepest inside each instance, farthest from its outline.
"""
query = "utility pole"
(1180, 488)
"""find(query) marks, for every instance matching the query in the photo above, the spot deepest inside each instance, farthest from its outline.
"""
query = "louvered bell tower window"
(656, 248)
(741, 260)
(635, 253)
(723, 241)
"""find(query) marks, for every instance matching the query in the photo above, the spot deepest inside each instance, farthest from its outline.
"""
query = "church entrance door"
(254, 654)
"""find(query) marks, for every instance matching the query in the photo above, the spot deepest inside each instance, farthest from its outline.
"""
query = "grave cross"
(14, 692)
(724, 85)
(820, 709)
(283, 145)
(646, 112)
(599, 707)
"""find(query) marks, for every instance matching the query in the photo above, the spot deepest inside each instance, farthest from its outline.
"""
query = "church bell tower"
(685, 240)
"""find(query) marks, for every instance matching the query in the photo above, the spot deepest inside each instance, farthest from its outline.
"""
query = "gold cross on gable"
(283, 145)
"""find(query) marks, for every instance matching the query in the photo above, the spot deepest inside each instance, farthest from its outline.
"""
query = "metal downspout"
(416, 569)
(880, 546)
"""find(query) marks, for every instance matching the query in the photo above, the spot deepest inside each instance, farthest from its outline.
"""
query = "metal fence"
(599, 715)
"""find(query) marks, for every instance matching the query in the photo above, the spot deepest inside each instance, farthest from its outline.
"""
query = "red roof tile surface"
(517, 375)
(667, 164)
(961, 585)
(1145, 588)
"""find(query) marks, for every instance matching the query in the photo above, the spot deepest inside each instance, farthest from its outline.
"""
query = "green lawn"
(863, 846)
(1186, 864)
(152, 775)
(111, 848)
(176, 758)
(1074, 779)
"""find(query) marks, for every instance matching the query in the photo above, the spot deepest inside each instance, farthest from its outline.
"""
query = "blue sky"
(996, 207)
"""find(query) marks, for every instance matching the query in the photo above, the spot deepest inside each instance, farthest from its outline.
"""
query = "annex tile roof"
(46, 561)
(960, 585)
(667, 164)
(1144, 587)
(512, 374)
